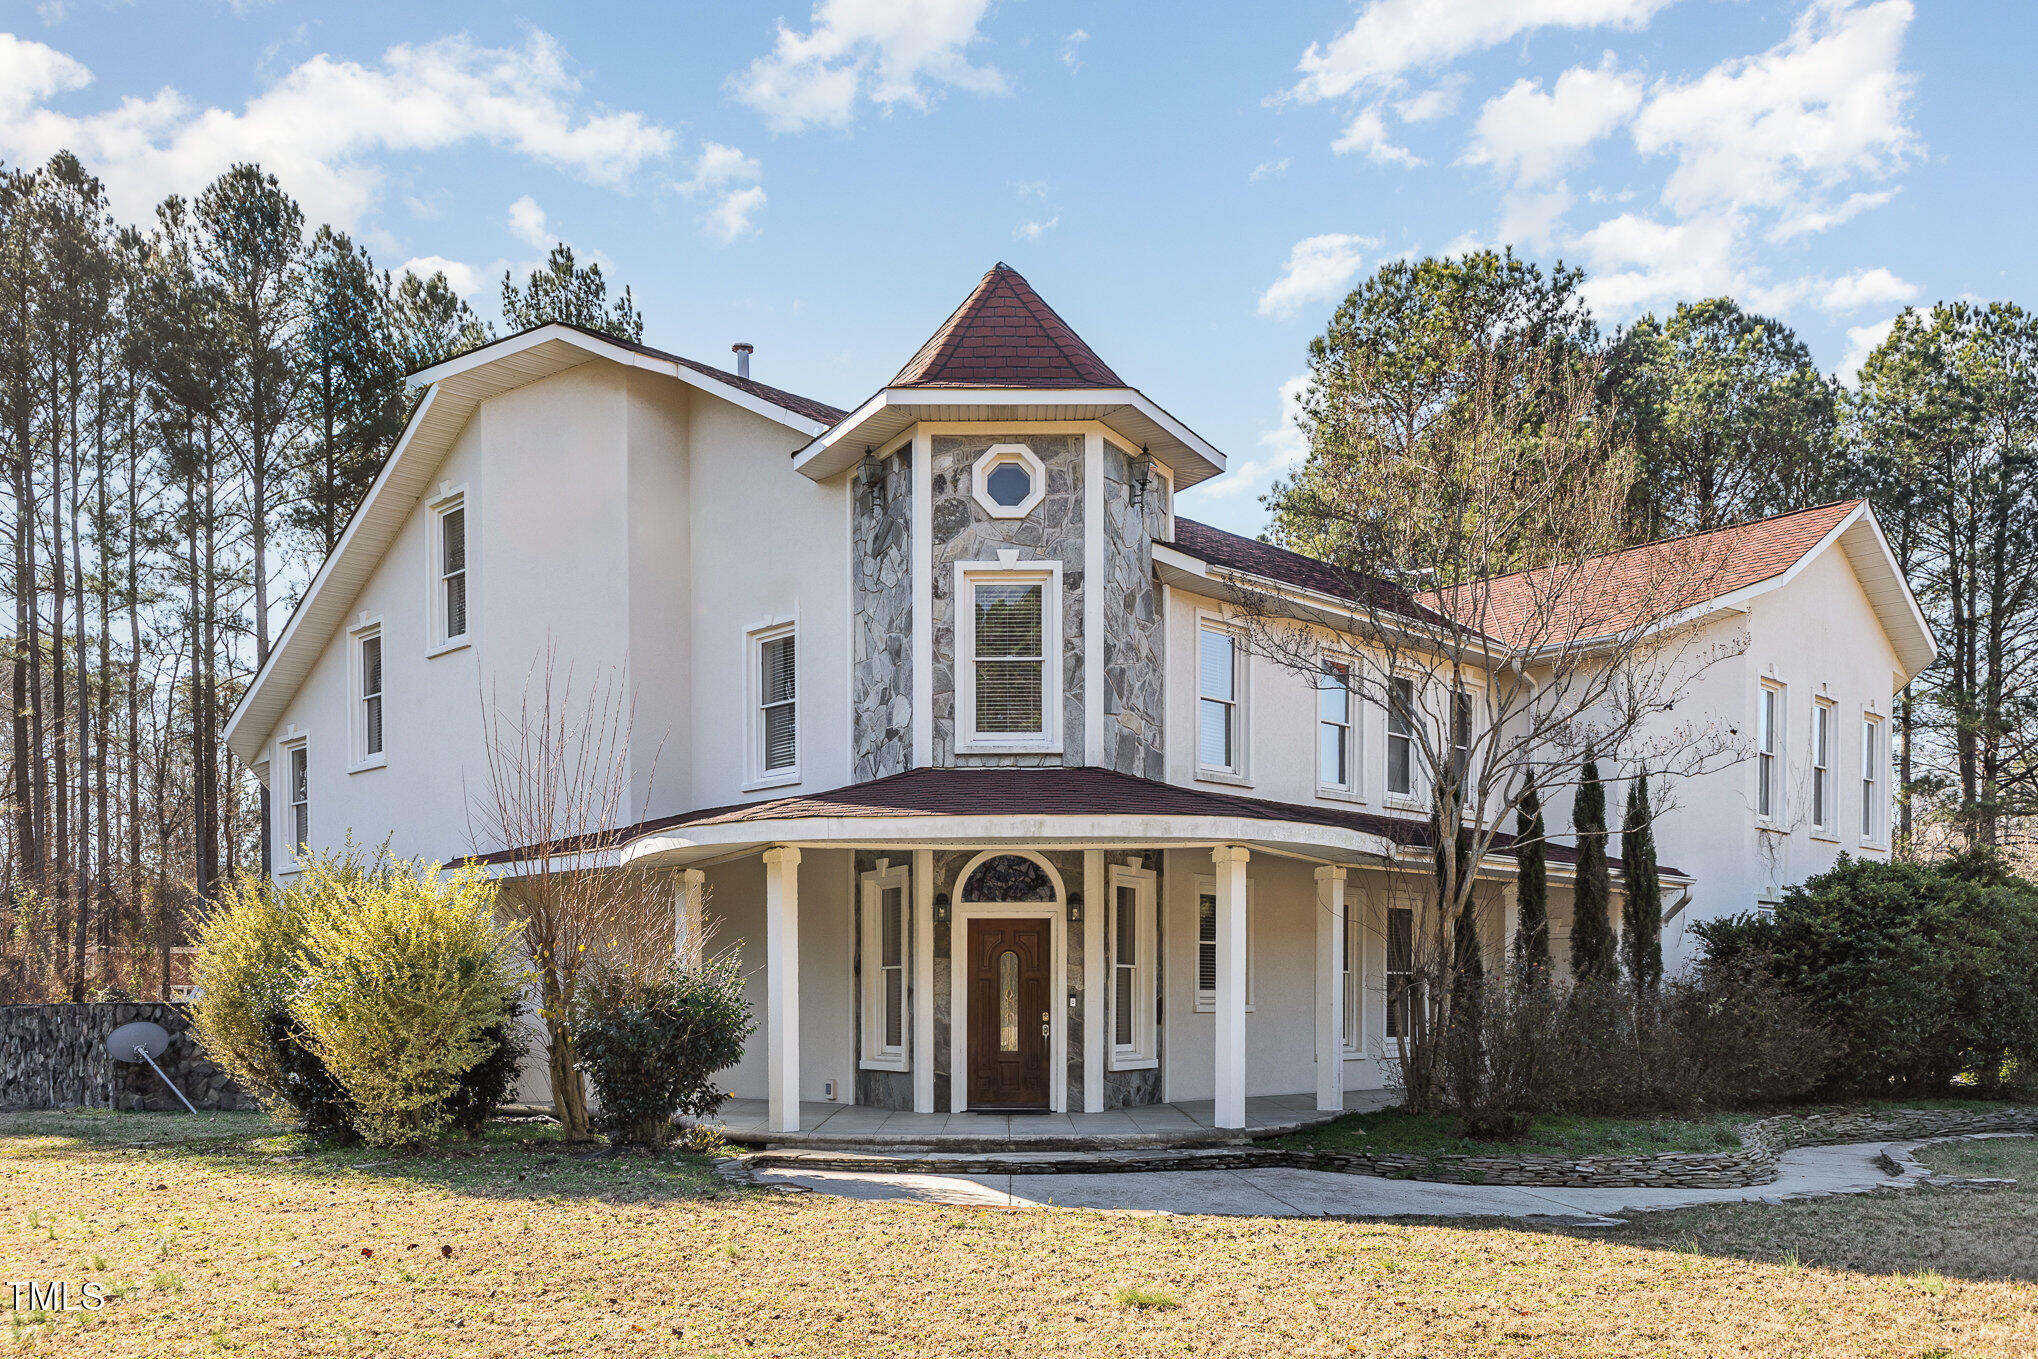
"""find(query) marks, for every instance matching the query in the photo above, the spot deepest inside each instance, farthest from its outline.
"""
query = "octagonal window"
(1009, 481)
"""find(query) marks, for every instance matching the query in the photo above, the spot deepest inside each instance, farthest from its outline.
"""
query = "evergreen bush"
(651, 1043)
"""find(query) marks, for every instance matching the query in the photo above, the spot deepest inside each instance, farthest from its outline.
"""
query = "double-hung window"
(449, 571)
(1133, 998)
(1822, 766)
(1353, 955)
(1461, 736)
(885, 952)
(1401, 989)
(1768, 753)
(1871, 779)
(297, 803)
(1008, 670)
(1206, 944)
(367, 648)
(774, 697)
(1401, 736)
(1335, 766)
(1219, 743)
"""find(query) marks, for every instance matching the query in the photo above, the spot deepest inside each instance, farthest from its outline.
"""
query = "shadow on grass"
(513, 1160)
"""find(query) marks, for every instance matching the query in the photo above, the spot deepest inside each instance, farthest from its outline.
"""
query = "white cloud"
(465, 278)
(890, 52)
(1367, 132)
(527, 223)
(1072, 50)
(734, 214)
(1282, 450)
(1268, 169)
(1318, 269)
(1635, 262)
(1530, 216)
(1390, 38)
(1780, 130)
(1806, 219)
(320, 126)
(720, 166)
(1867, 288)
(1861, 342)
(1033, 230)
(1439, 101)
(1532, 136)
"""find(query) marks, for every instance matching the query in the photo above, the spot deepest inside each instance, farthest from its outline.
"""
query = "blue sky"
(1192, 186)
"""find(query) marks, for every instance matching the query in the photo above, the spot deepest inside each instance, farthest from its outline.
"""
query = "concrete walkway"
(1280, 1192)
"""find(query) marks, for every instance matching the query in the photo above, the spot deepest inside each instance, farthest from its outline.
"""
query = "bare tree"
(553, 813)
(1484, 601)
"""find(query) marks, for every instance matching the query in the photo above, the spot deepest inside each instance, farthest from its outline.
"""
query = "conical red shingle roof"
(1004, 335)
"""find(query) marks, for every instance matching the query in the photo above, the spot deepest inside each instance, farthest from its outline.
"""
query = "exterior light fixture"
(1142, 473)
(873, 473)
(1075, 908)
(941, 908)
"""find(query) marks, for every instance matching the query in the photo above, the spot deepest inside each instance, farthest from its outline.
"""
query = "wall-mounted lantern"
(1142, 473)
(941, 908)
(1075, 908)
(873, 473)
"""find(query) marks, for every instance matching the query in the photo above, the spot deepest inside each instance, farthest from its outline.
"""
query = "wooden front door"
(1009, 1013)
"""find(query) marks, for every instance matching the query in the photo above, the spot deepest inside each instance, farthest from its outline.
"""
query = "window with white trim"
(1401, 736)
(1131, 975)
(1768, 753)
(450, 577)
(368, 695)
(1336, 760)
(1008, 674)
(774, 705)
(1872, 764)
(1219, 749)
(1822, 766)
(1461, 735)
(885, 951)
(297, 798)
(1354, 956)
(1008, 481)
(1767, 900)
(1206, 944)
(1402, 993)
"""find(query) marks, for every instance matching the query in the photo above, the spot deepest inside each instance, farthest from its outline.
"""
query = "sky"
(1192, 186)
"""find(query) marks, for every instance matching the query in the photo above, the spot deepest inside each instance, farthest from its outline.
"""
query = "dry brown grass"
(222, 1247)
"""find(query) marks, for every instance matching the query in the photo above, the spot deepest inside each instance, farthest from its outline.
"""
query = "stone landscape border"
(1753, 1163)
(54, 1057)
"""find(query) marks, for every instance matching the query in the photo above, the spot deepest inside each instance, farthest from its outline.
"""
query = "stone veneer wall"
(1134, 663)
(54, 1057)
(881, 571)
(963, 532)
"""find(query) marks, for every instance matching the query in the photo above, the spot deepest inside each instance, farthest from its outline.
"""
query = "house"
(953, 728)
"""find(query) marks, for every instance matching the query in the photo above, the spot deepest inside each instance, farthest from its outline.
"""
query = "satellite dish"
(140, 1042)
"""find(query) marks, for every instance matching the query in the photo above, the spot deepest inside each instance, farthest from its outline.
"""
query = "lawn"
(221, 1236)
(1391, 1130)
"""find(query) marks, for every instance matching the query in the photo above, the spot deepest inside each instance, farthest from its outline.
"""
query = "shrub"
(407, 982)
(1926, 973)
(652, 1043)
(247, 966)
(487, 1085)
(312, 1094)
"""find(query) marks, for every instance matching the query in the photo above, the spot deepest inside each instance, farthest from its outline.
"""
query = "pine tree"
(1594, 954)
(1641, 898)
(1532, 893)
(563, 291)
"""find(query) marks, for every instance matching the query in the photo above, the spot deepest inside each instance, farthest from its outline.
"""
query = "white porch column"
(1330, 987)
(1096, 920)
(782, 987)
(688, 905)
(1230, 875)
(923, 981)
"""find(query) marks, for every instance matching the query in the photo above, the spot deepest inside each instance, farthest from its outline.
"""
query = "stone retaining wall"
(54, 1057)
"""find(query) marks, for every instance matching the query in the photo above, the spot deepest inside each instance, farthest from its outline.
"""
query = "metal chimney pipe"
(743, 352)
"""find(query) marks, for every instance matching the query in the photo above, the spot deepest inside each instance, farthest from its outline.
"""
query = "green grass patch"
(1147, 1299)
(1393, 1130)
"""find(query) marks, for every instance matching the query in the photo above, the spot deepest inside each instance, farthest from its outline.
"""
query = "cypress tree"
(1532, 893)
(1642, 897)
(1593, 951)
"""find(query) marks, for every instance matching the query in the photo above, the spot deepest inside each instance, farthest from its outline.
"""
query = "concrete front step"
(949, 1143)
(1066, 1161)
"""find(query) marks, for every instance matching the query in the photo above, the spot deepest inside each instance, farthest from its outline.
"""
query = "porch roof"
(1059, 806)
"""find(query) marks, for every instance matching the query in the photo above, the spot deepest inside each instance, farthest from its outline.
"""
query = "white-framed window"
(367, 687)
(1206, 944)
(1872, 764)
(1337, 762)
(774, 705)
(1007, 480)
(1822, 766)
(1461, 735)
(1769, 752)
(886, 949)
(1133, 944)
(1354, 971)
(1402, 994)
(296, 799)
(452, 591)
(1767, 900)
(1401, 736)
(1220, 702)
(1008, 667)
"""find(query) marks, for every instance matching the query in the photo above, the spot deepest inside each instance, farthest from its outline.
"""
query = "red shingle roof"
(1004, 335)
(1255, 558)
